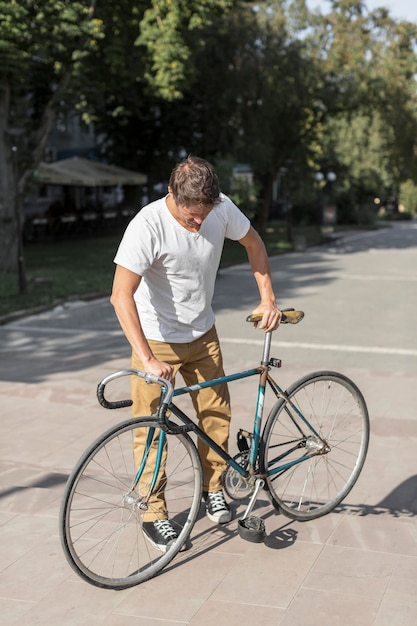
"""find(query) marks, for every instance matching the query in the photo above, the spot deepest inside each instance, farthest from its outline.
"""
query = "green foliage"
(39, 44)
(47, 33)
(369, 130)
(268, 84)
(14, 27)
(408, 196)
(164, 33)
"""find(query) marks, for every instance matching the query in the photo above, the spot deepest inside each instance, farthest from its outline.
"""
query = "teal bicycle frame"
(168, 427)
(262, 371)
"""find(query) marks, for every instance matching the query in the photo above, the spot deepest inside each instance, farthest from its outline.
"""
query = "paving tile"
(32, 449)
(72, 604)
(326, 608)
(249, 578)
(206, 537)
(404, 578)
(380, 533)
(29, 489)
(382, 461)
(395, 610)
(352, 571)
(184, 587)
(236, 614)
(399, 604)
(13, 611)
(24, 498)
(21, 534)
(51, 507)
(129, 620)
(282, 532)
(5, 517)
(39, 571)
(19, 476)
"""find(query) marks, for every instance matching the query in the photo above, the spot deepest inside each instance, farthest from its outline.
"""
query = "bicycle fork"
(131, 498)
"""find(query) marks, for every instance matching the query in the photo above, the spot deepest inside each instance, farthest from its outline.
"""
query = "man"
(166, 267)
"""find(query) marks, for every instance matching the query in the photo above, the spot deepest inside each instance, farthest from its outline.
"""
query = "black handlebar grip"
(169, 427)
(175, 429)
(107, 404)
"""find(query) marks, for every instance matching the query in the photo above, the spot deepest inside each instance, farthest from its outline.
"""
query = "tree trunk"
(13, 186)
(14, 183)
(8, 231)
(265, 208)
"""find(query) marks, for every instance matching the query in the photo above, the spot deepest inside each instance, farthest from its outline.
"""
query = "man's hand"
(271, 317)
(159, 368)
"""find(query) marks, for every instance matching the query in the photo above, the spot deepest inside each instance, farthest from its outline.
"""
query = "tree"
(275, 98)
(58, 54)
(41, 46)
(370, 131)
(142, 107)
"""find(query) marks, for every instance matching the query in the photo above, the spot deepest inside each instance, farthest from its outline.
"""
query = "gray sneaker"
(217, 509)
(160, 533)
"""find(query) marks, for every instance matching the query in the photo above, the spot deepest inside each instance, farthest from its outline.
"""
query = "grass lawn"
(75, 268)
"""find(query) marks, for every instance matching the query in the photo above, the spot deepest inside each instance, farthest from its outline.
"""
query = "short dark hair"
(194, 182)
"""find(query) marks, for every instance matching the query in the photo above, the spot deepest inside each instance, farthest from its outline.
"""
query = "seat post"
(267, 348)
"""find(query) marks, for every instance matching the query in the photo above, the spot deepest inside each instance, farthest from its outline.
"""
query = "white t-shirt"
(178, 267)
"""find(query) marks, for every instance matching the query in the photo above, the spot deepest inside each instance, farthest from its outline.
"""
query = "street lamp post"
(21, 265)
(328, 209)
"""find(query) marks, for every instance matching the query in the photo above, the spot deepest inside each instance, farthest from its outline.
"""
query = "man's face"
(191, 217)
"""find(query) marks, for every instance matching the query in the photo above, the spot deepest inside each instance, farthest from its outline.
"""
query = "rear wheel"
(314, 445)
(102, 511)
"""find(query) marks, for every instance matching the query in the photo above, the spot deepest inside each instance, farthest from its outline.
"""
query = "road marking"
(377, 278)
(327, 346)
(371, 277)
(253, 342)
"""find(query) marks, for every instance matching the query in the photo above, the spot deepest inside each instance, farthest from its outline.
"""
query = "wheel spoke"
(329, 409)
(101, 516)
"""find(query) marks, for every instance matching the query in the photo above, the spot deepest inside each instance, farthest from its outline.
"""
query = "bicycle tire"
(101, 523)
(321, 478)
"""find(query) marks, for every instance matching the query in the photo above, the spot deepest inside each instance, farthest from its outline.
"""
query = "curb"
(17, 315)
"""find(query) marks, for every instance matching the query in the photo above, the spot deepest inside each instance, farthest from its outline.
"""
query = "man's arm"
(258, 259)
(125, 284)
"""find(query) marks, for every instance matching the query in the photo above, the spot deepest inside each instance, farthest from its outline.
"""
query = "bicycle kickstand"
(251, 527)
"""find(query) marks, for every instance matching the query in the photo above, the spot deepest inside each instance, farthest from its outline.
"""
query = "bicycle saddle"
(289, 316)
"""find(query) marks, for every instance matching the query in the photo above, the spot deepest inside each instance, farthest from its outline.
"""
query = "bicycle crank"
(238, 487)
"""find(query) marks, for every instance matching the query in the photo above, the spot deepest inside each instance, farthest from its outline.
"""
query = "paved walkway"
(356, 566)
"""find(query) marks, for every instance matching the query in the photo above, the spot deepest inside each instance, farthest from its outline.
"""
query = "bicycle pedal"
(252, 529)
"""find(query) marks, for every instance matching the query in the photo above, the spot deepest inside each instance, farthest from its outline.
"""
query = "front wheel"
(314, 445)
(105, 503)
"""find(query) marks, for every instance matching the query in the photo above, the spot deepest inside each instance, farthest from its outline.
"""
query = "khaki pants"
(197, 361)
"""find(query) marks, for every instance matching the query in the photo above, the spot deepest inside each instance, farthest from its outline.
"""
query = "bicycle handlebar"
(163, 422)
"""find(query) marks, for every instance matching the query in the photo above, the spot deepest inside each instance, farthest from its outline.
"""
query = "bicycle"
(308, 457)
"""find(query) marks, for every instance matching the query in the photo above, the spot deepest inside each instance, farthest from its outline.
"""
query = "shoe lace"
(164, 527)
(217, 501)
